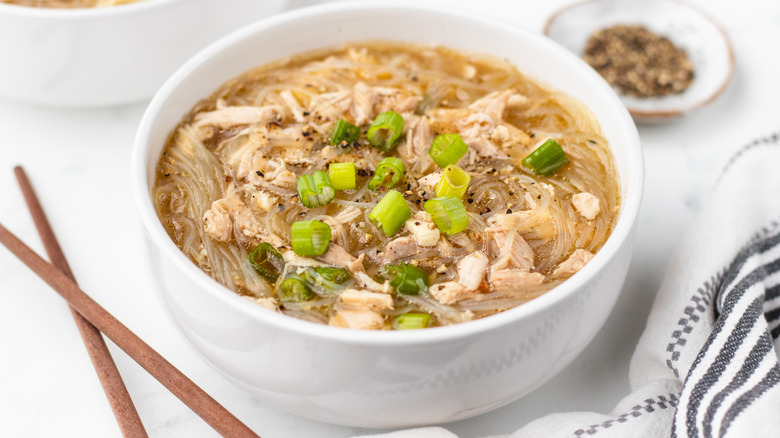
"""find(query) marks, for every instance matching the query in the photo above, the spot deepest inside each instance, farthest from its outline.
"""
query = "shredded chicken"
(361, 319)
(492, 105)
(419, 139)
(575, 262)
(514, 279)
(586, 204)
(513, 251)
(265, 200)
(366, 282)
(400, 248)
(338, 256)
(471, 272)
(362, 299)
(451, 292)
(422, 229)
(229, 116)
(217, 221)
(431, 180)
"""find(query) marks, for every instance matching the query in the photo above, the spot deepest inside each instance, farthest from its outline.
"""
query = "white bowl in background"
(113, 55)
(387, 379)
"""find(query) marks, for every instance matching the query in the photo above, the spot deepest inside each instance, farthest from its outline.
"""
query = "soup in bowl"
(472, 180)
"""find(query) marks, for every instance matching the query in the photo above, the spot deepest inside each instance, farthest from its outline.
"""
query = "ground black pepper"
(639, 62)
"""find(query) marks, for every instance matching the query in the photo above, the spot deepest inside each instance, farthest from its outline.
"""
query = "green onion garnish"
(385, 130)
(315, 190)
(405, 278)
(324, 274)
(343, 132)
(343, 175)
(448, 213)
(390, 213)
(294, 290)
(447, 149)
(410, 321)
(267, 261)
(310, 238)
(388, 172)
(454, 182)
(546, 159)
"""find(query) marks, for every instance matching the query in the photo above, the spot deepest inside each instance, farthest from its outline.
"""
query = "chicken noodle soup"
(388, 186)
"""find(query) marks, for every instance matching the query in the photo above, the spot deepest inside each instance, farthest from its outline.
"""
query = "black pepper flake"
(415, 78)
(305, 113)
(362, 172)
(471, 201)
(592, 141)
(538, 196)
(228, 178)
(638, 61)
(303, 213)
(508, 211)
(532, 135)
(260, 174)
(167, 174)
(408, 187)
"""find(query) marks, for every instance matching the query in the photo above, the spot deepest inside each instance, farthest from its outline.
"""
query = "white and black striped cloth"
(707, 362)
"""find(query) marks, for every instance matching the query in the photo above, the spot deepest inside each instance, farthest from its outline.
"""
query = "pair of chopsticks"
(91, 319)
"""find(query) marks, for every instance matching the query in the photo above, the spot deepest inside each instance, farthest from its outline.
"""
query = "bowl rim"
(15, 10)
(663, 114)
(630, 200)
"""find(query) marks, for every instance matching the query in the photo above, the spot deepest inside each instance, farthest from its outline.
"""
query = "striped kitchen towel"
(707, 362)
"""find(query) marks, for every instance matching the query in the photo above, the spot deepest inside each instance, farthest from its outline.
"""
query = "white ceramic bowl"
(109, 56)
(387, 379)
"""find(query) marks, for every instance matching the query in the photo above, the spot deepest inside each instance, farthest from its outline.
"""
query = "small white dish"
(702, 38)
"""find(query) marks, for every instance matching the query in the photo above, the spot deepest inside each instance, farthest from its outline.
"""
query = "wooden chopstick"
(121, 404)
(182, 387)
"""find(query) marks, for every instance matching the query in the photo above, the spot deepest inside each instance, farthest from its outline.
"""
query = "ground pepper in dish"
(639, 62)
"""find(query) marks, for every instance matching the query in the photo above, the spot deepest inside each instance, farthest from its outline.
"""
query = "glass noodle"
(245, 170)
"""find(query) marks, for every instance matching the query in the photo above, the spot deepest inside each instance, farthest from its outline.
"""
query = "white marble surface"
(78, 162)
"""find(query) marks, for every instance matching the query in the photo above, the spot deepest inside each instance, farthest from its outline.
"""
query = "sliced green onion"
(325, 274)
(343, 175)
(405, 278)
(448, 213)
(294, 290)
(390, 213)
(454, 182)
(385, 130)
(315, 190)
(310, 238)
(546, 159)
(343, 132)
(267, 261)
(447, 149)
(410, 321)
(388, 172)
